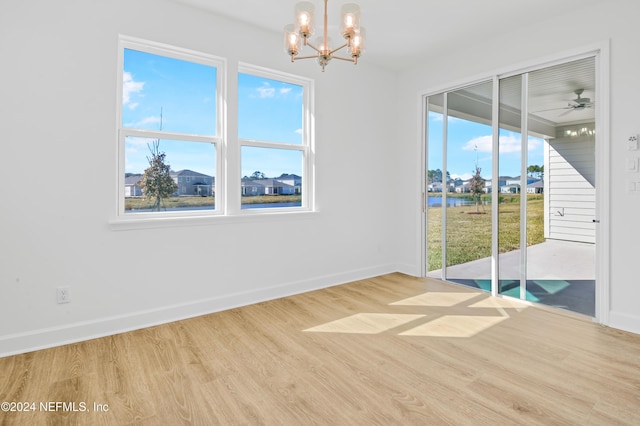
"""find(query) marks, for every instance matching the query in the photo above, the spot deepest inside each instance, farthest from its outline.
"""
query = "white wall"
(612, 21)
(58, 173)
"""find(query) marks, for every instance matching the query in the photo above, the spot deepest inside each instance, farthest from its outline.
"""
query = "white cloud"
(144, 123)
(134, 143)
(148, 120)
(481, 144)
(299, 131)
(266, 91)
(508, 144)
(285, 90)
(130, 86)
(464, 176)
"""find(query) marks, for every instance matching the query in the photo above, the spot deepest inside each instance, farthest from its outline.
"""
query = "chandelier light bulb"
(304, 19)
(350, 20)
(291, 41)
(358, 44)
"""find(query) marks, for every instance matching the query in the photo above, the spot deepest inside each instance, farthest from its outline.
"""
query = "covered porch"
(559, 273)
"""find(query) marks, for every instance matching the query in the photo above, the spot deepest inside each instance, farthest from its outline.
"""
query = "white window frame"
(228, 149)
(306, 147)
(218, 140)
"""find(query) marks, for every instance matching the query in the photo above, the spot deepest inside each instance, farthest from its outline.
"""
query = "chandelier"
(297, 35)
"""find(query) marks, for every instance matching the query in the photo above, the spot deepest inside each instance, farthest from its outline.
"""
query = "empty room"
(319, 212)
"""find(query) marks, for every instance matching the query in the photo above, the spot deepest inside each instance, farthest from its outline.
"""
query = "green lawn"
(196, 201)
(469, 234)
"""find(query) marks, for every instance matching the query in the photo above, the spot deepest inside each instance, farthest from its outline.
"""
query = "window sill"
(135, 223)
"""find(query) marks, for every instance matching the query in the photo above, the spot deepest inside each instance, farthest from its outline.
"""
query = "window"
(274, 135)
(172, 145)
(170, 126)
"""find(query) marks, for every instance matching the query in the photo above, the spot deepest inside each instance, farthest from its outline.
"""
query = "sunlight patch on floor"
(366, 323)
(454, 326)
(436, 299)
(498, 302)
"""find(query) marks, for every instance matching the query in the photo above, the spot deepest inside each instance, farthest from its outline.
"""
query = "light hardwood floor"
(392, 350)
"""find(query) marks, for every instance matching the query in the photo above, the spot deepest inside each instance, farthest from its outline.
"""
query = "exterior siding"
(569, 186)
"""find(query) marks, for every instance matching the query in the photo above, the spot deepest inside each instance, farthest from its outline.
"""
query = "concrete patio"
(559, 274)
(553, 259)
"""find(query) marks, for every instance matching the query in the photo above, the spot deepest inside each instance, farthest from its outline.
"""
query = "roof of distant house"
(132, 180)
(191, 173)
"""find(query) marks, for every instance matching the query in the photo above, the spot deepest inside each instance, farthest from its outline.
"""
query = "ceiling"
(402, 33)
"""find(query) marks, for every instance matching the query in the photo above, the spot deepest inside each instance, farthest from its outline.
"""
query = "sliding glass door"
(533, 165)
(459, 155)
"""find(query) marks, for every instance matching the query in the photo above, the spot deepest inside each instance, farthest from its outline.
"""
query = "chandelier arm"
(313, 47)
(306, 57)
(343, 58)
(336, 49)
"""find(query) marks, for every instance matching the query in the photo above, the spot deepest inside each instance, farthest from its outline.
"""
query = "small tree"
(156, 182)
(476, 185)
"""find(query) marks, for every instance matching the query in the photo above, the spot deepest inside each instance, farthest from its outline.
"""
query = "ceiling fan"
(577, 104)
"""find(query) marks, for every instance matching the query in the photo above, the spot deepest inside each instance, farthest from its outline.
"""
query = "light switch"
(632, 164)
(631, 186)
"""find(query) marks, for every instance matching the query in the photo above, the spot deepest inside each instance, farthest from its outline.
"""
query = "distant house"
(251, 187)
(512, 185)
(275, 187)
(512, 188)
(535, 187)
(193, 183)
(132, 186)
(292, 180)
(435, 187)
(462, 188)
(284, 185)
(502, 181)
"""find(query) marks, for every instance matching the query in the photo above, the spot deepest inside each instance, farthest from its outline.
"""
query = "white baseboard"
(44, 338)
(407, 269)
(624, 322)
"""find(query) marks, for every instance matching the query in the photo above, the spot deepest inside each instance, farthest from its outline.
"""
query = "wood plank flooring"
(392, 350)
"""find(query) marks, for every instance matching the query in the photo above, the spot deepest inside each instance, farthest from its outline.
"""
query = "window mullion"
(277, 145)
(158, 134)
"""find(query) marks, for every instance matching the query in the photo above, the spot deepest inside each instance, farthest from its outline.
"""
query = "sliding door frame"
(601, 54)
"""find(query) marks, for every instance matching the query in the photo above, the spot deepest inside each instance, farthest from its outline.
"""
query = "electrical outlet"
(64, 294)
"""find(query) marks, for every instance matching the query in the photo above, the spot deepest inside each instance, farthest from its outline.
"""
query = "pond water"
(451, 202)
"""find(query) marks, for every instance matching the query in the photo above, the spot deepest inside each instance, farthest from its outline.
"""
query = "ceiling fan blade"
(553, 109)
(567, 112)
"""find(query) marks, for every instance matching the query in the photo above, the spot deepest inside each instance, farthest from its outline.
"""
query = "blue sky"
(180, 96)
(469, 142)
